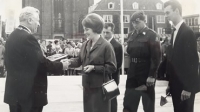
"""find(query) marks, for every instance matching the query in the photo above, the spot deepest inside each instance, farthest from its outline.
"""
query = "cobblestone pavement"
(65, 95)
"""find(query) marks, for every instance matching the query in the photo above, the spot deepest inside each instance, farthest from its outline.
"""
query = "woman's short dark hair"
(174, 4)
(94, 21)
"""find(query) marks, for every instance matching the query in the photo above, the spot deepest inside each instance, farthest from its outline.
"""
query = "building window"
(163, 31)
(159, 6)
(160, 19)
(110, 5)
(135, 5)
(186, 21)
(190, 22)
(146, 19)
(126, 30)
(196, 21)
(108, 18)
(160, 31)
(58, 16)
(126, 19)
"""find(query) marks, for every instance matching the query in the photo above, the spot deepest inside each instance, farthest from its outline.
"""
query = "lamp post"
(122, 33)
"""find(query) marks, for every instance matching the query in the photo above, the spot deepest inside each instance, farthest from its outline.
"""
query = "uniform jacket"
(102, 56)
(182, 61)
(118, 53)
(144, 45)
(26, 69)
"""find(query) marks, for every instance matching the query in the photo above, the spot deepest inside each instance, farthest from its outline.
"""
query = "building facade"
(60, 18)
(153, 9)
(193, 21)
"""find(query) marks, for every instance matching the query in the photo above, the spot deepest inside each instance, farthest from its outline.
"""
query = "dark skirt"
(93, 100)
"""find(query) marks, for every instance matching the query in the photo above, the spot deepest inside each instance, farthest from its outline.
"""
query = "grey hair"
(28, 12)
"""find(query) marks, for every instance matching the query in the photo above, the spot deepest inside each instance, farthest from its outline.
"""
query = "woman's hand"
(88, 68)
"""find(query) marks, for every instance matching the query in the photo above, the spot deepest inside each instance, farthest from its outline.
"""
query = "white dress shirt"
(176, 31)
(110, 39)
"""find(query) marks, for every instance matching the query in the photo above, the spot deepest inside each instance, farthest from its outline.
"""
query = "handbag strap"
(104, 75)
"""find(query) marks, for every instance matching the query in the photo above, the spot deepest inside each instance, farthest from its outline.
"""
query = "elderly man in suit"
(108, 32)
(182, 60)
(26, 83)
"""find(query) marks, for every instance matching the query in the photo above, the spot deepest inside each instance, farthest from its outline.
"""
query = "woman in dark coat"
(96, 55)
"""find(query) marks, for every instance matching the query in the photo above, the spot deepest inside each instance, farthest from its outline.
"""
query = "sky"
(12, 7)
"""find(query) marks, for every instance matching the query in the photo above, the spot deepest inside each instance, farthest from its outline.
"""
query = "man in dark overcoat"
(108, 32)
(26, 82)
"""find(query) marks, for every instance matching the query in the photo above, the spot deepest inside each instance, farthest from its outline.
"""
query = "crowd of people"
(59, 46)
(100, 59)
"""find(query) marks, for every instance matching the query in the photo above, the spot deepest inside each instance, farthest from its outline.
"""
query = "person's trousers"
(182, 106)
(114, 105)
(18, 108)
(1, 71)
(132, 99)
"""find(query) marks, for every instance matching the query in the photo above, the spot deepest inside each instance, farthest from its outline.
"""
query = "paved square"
(65, 95)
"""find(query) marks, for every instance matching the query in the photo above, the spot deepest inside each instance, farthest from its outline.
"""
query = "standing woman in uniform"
(96, 55)
(144, 51)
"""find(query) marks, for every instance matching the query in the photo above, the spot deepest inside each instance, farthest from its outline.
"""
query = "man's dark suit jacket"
(118, 54)
(26, 69)
(182, 61)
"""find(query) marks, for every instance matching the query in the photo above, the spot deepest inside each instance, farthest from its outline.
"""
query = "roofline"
(127, 10)
(193, 15)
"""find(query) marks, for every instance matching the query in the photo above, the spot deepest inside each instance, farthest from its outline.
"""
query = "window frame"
(127, 18)
(127, 29)
(107, 17)
(159, 6)
(159, 19)
(135, 5)
(146, 18)
(111, 3)
(196, 21)
(160, 29)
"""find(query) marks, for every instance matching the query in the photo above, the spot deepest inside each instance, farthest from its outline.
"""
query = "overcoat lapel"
(96, 45)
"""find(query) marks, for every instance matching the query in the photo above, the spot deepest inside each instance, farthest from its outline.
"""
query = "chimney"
(91, 2)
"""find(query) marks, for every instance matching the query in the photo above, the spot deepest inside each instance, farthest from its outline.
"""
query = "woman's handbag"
(110, 89)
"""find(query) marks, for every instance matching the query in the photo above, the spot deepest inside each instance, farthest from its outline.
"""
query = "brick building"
(60, 18)
(193, 21)
(155, 18)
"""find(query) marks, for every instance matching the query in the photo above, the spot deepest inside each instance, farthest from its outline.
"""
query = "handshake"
(66, 63)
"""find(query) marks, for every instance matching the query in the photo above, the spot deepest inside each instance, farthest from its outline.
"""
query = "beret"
(138, 14)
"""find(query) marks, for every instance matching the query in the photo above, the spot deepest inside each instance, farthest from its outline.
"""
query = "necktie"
(172, 38)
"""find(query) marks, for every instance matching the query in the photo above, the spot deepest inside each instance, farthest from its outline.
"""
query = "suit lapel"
(112, 41)
(178, 36)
